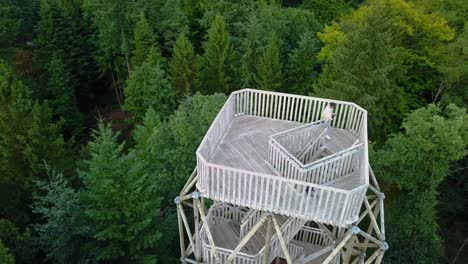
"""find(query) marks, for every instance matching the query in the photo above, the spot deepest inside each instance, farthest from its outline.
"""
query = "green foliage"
(420, 157)
(302, 60)
(9, 26)
(20, 244)
(184, 68)
(269, 68)
(119, 201)
(326, 10)
(27, 138)
(411, 220)
(250, 52)
(148, 86)
(64, 232)
(144, 40)
(173, 23)
(61, 95)
(5, 256)
(365, 69)
(114, 21)
(218, 59)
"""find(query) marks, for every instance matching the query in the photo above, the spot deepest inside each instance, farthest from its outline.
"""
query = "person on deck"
(327, 118)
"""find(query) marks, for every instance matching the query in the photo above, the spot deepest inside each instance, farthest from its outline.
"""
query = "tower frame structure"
(274, 183)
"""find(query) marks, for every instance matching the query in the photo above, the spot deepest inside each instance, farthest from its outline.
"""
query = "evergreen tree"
(10, 27)
(27, 138)
(183, 69)
(5, 256)
(173, 23)
(365, 69)
(144, 40)
(148, 86)
(120, 201)
(64, 233)
(269, 68)
(301, 73)
(218, 58)
(61, 95)
(21, 245)
(326, 10)
(250, 52)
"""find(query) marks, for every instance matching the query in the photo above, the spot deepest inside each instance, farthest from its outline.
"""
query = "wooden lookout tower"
(275, 184)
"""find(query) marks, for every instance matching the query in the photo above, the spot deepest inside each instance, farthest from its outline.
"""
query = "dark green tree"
(27, 138)
(144, 40)
(11, 23)
(326, 10)
(218, 59)
(61, 96)
(269, 69)
(414, 163)
(184, 68)
(148, 86)
(21, 245)
(5, 256)
(173, 23)
(250, 52)
(120, 201)
(302, 60)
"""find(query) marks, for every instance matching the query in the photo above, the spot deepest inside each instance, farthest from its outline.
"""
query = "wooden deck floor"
(245, 145)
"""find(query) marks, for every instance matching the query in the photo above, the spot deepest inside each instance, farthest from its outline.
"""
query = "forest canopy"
(103, 104)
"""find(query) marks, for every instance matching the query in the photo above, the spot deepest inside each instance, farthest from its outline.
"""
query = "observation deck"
(269, 151)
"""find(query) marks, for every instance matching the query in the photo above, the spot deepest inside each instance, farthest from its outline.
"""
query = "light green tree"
(5, 256)
(120, 201)
(173, 23)
(269, 69)
(148, 86)
(144, 39)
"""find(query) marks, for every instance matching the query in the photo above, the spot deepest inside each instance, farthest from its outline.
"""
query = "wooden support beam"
(187, 227)
(181, 235)
(194, 173)
(371, 238)
(207, 231)
(246, 239)
(380, 257)
(366, 212)
(196, 217)
(266, 257)
(335, 251)
(382, 216)
(190, 185)
(373, 257)
(326, 230)
(372, 217)
(374, 180)
(281, 240)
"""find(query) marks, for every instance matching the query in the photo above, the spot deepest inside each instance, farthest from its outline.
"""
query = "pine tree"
(183, 69)
(269, 68)
(250, 51)
(144, 40)
(218, 59)
(301, 73)
(5, 256)
(63, 234)
(10, 27)
(148, 86)
(28, 138)
(173, 23)
(119, 200)
(60, 94)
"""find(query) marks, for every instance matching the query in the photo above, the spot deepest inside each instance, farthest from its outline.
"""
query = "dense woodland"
(104, 102)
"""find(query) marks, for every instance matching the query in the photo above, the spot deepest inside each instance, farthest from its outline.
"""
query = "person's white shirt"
(327, 113)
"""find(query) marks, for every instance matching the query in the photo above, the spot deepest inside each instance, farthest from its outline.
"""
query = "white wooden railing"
(322, 171)
(249, 221)
(313, 236)
(301, 196)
